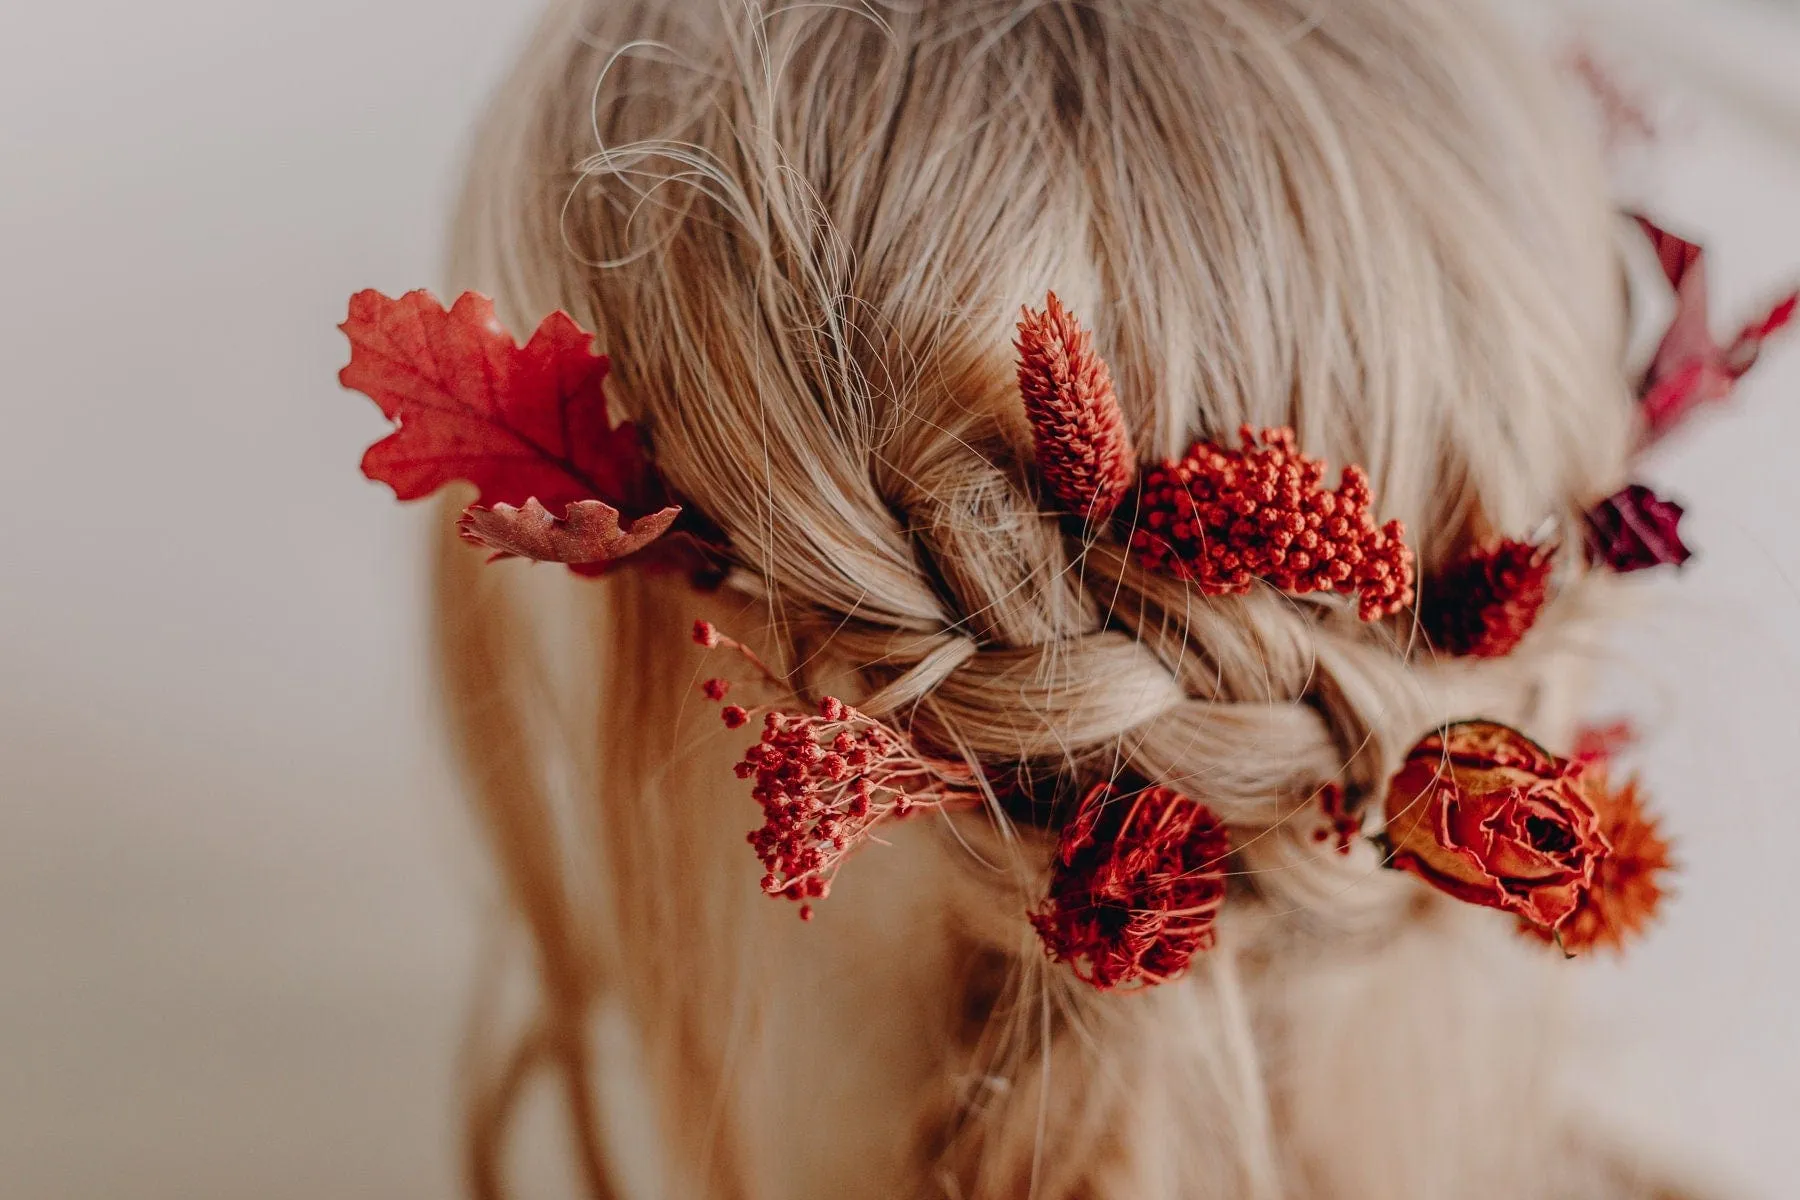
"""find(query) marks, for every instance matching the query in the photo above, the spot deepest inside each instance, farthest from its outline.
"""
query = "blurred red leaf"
(521, 423)
(1691, 369)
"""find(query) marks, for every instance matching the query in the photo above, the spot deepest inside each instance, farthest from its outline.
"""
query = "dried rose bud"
(1485, 814)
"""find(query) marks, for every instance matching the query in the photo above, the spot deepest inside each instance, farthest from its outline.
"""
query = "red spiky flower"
(1137, 883)
(1627, 889)
(1222, 519)
(826, 780)
(1486, 602)
(1083, 448)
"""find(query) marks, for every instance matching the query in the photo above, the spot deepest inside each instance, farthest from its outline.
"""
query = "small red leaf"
(516, 421)
(590, 532)
(1634, 529)
(1690, 369)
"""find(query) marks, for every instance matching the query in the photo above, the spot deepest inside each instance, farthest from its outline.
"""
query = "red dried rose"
(1690, 369)
(1083, 447)
(1634, 529)
(1486, 602)
(1483, 813)
(1626, 891)
(1222, 519)
(1137, 883)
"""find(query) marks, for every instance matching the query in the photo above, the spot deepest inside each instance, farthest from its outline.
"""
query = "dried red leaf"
(1083, 447)
(522, 423)
(1137, 884)
(1487, 601)
(1635, 529)
(1600, 744)
(1627, 889)
(590, 532)
(1222, 519)
(1690, 369)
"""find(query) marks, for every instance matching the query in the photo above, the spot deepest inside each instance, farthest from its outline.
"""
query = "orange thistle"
(1222, 519)
(1137, 884)
(1486, 603)
(1083, 448)
(1626, 891)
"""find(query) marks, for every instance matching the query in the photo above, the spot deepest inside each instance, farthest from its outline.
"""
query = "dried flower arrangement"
(1477, 809)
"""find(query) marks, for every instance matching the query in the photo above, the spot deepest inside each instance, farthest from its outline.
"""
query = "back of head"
(804, 234)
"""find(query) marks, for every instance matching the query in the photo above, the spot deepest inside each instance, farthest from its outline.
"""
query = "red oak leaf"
(521, 423)
(1691, 369)
(590, 532)
(1634, 529)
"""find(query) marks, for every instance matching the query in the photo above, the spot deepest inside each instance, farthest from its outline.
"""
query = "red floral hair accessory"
(1484, 814)
(1222, 519)
(1084, 454)
(1485, 604)
(528, 425)
(826, 780)
(1137, 883)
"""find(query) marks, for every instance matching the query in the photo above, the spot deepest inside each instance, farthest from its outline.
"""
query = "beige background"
(238, 909)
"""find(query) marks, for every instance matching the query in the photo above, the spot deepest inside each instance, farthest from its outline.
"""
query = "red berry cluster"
(1222, 519)
(824, 782)
(1485, 604)
(1137, 883)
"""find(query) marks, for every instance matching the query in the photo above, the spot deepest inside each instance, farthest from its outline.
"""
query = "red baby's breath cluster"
(1083, 448)
(1136, 886)
(1485, 603)
(1342, 827)
(825, 781)
(1222, 519)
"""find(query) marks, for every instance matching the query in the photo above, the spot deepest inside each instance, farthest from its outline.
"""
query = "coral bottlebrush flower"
(1634, 529)
(1083, 448)
(1137, 883)
(1626, 891)
(1486, 602)
(1690, 369)
(1222, 519)
(1483, 813)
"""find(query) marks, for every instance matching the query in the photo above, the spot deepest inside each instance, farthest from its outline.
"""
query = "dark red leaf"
(590, 532)
(1690, 368)
(1634, 529)
(520, 423)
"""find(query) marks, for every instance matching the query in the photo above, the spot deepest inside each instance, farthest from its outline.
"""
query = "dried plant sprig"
(1487, 601)
(1223, 519)
(1137, 884)
(826, 781)
(1083, 447)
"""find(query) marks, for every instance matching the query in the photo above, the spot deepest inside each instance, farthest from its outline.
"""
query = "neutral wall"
(238, 909)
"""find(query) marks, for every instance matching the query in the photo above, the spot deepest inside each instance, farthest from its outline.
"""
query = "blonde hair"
(804, 234)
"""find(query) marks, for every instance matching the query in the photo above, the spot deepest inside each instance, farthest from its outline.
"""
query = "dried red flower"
(1222, 519)
(1487, 601)
(1137, 883)
(1083, 447)
(1480, 811)
(714, 689)
(1690, 369)
(1635, 529)
(705, 634)
(826, 781)
(1626, 891)
(1342, 827)
(527, 425)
